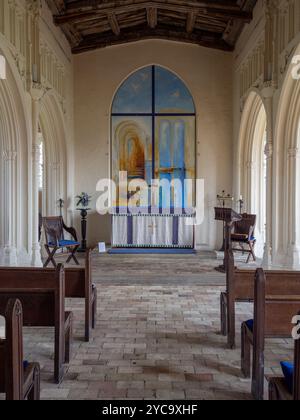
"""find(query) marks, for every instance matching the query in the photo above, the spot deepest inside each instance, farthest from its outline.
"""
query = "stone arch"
(287, 170)
(251, 152)
(15, 226)
(53, 131)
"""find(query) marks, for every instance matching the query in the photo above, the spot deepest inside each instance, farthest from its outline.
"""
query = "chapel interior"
(149, 200)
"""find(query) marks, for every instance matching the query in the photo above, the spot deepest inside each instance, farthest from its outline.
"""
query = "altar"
(155, 230)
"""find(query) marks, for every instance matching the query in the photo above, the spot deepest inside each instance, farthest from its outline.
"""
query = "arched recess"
(14, 228)
(154, 131)
(252, 164)
(287, 156)
(55, 155)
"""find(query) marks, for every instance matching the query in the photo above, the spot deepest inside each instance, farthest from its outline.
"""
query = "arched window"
(153, 131)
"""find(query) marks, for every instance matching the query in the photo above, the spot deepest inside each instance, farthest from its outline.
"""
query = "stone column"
(36, 94)
(10, 249)
(248, 199)
(268, 95)
(293, 237)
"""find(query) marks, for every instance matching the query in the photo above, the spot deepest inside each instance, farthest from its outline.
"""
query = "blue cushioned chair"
(250, 324)
(54, 231)
(287, 388)
(288, 373)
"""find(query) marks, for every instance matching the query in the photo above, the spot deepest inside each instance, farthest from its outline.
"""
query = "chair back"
(54, 229)
(246, 225)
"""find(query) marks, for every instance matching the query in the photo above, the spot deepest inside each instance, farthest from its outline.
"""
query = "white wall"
(207, 73)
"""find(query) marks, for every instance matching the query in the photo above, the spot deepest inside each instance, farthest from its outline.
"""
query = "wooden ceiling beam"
(191, 20)
(81, 4)
(93, 42)
(113, 22)
(56, 6)
(73, 15)
(152, 17)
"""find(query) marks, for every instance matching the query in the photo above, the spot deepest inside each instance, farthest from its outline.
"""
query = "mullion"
(153, 122)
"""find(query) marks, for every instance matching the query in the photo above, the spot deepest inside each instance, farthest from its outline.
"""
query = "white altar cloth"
(152, 230)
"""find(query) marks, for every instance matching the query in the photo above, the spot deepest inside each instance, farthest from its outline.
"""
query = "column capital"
(293, 152)
(37, 91)
(269, 150)
(34, 7)
(9, 155)
(270, 5)
(268, 90)
(55, 165)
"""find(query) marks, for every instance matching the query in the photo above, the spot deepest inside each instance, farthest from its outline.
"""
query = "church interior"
(149, 200)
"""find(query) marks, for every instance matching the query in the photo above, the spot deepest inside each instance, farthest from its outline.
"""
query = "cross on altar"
(153, 226)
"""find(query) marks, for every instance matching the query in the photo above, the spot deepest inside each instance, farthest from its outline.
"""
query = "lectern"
(229, 217)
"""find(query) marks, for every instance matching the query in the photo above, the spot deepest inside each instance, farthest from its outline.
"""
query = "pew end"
(17, 380)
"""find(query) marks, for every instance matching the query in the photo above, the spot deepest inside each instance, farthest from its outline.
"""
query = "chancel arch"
(253, 165)
(14, 232)
(288, 170)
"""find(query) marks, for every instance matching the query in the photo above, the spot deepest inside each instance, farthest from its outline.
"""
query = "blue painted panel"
(171, 94)
(135, 94)
(179, 142)
(165, 198)
(165, 144)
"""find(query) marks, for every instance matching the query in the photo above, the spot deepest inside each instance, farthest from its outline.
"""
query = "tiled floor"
(157, 335)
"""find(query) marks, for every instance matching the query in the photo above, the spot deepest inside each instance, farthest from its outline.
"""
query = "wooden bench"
(79, 285)
(19, 380)
(42, 294)
(273, 314)
(279, 388)
(240, 288)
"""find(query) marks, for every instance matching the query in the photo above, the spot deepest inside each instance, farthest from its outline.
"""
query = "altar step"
(163, 251)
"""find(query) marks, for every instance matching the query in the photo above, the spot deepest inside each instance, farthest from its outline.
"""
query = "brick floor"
(157, 336)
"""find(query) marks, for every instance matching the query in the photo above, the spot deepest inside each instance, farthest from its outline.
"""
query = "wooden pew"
(18, 380)
(79, 285)
(273, 314)
(42, 294)
(240, 288)
(279, 388)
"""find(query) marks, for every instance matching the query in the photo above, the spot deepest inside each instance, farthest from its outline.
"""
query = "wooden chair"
(19, 380)
(79, 285)
(273, 314)
(279, 388)
(243, 234)
(54, 232)
(42, 294)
